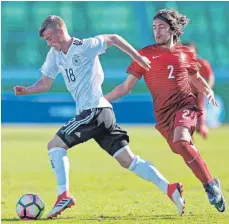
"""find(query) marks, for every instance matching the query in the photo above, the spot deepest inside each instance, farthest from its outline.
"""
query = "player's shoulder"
(91, 39)
(77, 42)
(78, 45)
(183, 48)
(148, 48)
(203, 61)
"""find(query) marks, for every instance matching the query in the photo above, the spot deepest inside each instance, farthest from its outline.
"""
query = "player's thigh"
(110, 136)
(164, 131)
(184, 125)
(79, 129)
(112, 143)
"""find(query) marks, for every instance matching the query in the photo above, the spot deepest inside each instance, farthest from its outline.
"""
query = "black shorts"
(96, 123)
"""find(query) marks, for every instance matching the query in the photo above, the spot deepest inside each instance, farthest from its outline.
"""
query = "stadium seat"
(131, 20)
(79, 18)
(217, 17)
(205, 50)
(32, 55)
(40, 10)
(11, 59)
(222, 54)
(171, 5)
(74, 16)
(118, 17)
(150, 11)
(15, 16)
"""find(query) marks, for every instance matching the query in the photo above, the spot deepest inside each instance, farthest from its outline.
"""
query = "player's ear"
(60, 31)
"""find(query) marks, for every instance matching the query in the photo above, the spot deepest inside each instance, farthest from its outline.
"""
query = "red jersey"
(167, 80)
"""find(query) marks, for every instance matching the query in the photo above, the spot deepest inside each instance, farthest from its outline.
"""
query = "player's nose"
(49, 44)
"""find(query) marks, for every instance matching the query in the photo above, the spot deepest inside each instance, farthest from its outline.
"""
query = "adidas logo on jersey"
(77, 42)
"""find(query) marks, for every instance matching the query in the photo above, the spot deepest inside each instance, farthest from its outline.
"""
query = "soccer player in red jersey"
(207, 73)
(175, 106)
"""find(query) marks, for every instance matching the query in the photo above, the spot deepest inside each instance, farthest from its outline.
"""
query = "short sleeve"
(50, 68)
(193, 66)
(135, 69)
(94, 46)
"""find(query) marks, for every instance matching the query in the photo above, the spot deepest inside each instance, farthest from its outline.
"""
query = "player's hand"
(144, 62)
(203, 131)
(211, 98)
(20, 90)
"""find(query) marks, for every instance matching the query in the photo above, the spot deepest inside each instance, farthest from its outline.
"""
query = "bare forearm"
(126, 47)
(201, 85)
(116, 93)
(201, 106)
(211, 81)
(38, 87)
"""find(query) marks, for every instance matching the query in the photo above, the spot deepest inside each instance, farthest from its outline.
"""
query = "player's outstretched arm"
(118, 41)
(202, 86)
(122, 89)
(211, 80)
(42, 85)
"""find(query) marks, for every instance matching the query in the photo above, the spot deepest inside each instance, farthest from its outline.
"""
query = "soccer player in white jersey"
(78, 62)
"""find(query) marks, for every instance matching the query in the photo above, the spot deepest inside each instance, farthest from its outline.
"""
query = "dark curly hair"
(176, 21)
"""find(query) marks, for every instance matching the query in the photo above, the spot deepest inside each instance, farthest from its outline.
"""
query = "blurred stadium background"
(23, 53)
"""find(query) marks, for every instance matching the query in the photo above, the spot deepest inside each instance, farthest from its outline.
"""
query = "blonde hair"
(51, 21)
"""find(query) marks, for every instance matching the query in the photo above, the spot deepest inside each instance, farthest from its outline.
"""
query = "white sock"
(60, 164)
(147, 171)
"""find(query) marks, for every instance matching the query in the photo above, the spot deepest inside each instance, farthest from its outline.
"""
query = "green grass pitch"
(105, 192)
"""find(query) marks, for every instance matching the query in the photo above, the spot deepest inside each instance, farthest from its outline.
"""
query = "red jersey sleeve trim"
(195, 67)
(134, 72)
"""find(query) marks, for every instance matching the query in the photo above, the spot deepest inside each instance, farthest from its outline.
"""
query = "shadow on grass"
(21, 220)
(103, 218)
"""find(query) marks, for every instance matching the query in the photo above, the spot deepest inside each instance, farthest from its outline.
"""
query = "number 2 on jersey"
(171, 68)
(70, 75)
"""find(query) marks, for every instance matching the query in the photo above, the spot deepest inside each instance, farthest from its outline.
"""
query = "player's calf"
(193, 160)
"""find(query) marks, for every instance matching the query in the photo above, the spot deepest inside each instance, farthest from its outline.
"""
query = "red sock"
(193, 160)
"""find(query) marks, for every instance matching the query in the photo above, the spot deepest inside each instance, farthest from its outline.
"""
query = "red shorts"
(184, 117)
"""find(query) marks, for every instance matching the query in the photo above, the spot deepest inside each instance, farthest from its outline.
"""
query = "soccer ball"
(30, 206)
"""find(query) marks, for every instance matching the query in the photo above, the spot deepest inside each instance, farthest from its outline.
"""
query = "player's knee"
(175, 147)
(56, 142)
(185, 149)
(124, 156)
(178, 147)
(51, 144)
(125, 163)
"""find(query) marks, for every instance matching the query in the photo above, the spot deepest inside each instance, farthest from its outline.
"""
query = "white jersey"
(82, 71)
